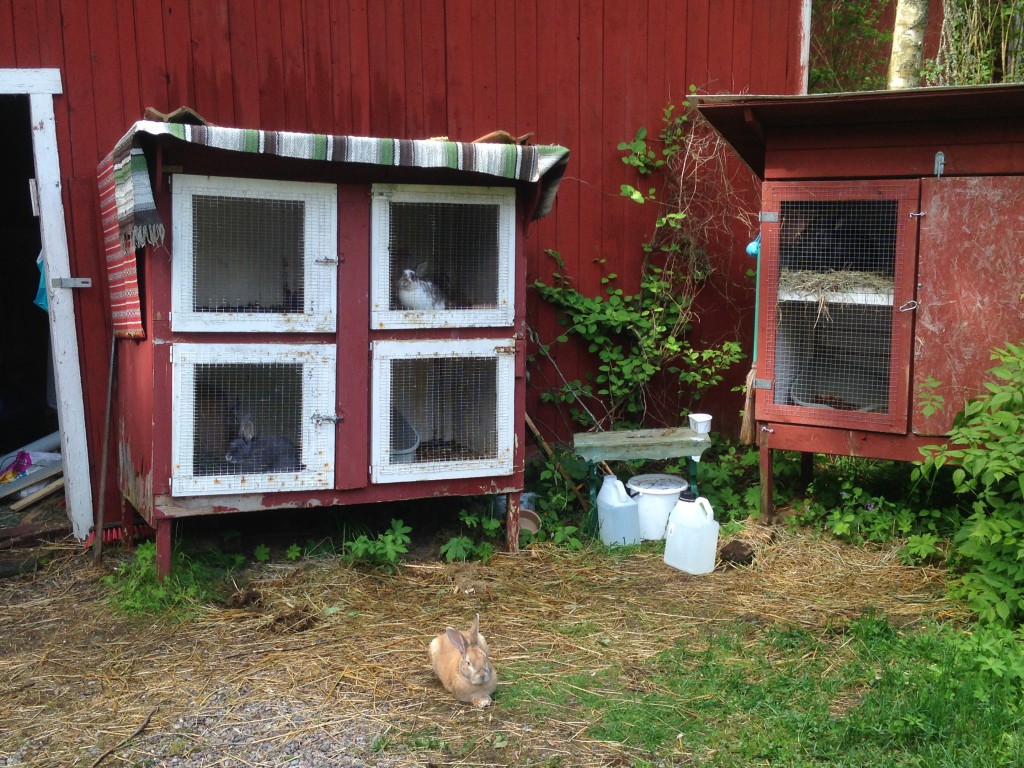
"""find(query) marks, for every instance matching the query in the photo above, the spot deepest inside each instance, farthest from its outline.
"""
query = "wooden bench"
(650, 444)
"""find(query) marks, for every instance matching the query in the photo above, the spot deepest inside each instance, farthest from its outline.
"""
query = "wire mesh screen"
(253, 255)
(248, 255)
(836, 267)
(247, 418)
(444, 256)
(445, 410)
(252, 417)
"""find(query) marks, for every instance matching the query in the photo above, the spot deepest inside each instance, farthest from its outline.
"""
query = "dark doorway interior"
(27, 400)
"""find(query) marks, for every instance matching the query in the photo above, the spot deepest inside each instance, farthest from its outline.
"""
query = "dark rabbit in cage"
(849, 235)
(252, 452)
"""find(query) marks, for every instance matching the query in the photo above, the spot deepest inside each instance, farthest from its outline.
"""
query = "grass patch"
(747, 695)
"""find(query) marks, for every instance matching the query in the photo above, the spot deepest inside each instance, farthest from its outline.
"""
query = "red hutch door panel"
(837, 284)
(969, 276)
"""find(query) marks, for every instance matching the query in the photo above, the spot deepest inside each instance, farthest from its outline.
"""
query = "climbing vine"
(640, 340)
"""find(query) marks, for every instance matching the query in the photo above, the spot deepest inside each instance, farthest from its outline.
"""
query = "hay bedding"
(317, 661)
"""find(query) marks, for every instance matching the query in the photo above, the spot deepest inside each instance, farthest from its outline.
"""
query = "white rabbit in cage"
(416, 291)
(250, 452)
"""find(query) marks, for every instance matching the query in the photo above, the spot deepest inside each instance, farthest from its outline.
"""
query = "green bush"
(986, 445)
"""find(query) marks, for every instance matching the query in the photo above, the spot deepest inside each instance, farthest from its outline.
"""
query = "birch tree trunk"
(907, 42)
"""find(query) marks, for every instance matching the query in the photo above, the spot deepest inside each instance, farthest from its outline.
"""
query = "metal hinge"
(71, 282)
(768, 217)
(940, 164)
(33, 192)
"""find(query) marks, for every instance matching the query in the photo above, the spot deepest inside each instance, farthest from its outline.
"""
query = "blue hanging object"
(40, 300)
(754, 246)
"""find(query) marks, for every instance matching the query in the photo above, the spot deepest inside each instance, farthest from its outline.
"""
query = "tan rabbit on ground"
(461, 662)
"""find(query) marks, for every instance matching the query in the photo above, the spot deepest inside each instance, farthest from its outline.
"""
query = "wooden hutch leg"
(163, 547)
(512, 522)
(766, 462)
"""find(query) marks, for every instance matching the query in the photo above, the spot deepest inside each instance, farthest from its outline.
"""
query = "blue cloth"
(40, 300)
(754, 246)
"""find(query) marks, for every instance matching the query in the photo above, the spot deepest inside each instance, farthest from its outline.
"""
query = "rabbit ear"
(457, 639)
(474, 631)
(421, 268)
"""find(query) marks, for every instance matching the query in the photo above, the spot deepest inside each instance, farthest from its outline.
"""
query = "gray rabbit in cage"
(418, 292)
(250, 452)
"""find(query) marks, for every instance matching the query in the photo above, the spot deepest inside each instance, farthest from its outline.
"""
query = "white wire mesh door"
(442, 256)
(442, 409)
(253, 255)
(248, 418)
(837, 282)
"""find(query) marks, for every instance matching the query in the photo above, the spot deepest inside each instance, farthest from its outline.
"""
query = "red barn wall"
(584, 75)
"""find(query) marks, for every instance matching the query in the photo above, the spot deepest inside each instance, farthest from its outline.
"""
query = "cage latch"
(908, 306)
(71, 282)
(917, 214)
(326, 260)
(319, 419)
(940, 164)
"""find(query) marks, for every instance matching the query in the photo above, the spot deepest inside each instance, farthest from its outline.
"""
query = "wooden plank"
(844, 442)
(318, 76)
(434, 68)
(743, 61)
(268, 68)
(212, 62)
(26, 39)
(42, 493)
(293, 41)
(19, 81)
(74, 445)
(109, 80)
(357, 112)
(721, 20)
(177, 26)
(41, 473)
(381, 93)
(459, 63)
(234, 41)
(970, 274)
(483, 74)
(125, 39)
(82, 155)
(415, 84)
(626, 444)
(7, 55)
(390, 59)
(150, 57)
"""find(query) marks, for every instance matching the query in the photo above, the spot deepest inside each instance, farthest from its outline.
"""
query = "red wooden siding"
(585, 75)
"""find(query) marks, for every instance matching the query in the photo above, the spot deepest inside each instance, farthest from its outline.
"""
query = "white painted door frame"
(40, 85)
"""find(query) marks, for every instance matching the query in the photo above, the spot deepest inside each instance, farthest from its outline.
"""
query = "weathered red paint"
(573, 74)
(960, 291)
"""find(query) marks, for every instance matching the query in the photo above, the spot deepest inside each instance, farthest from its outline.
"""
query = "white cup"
(700, 423)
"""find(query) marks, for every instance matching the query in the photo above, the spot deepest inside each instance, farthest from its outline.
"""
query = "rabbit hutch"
(890, 261)
(307, 321)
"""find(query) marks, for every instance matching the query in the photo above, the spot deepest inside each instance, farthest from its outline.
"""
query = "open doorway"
(29, 336)
(27, 393)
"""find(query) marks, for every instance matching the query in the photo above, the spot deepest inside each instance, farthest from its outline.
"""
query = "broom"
(747, 428)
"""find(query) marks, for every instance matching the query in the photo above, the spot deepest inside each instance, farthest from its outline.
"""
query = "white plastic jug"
(691, 537)
(617, 519)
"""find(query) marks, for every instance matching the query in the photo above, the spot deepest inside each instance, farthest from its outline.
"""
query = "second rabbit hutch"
(890, 262)
(306, 320)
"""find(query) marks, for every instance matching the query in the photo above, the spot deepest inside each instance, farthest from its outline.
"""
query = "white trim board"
(40, 85)
(22, 81)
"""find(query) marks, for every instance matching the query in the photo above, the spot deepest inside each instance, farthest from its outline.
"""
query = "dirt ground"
(317, 662)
